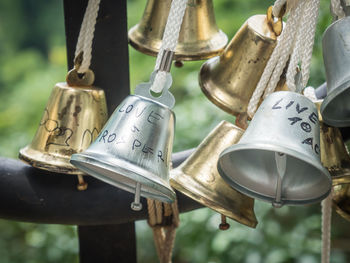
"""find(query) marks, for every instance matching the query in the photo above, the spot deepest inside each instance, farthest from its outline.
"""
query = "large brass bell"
(230, 79)
(336, 159)
(133, 150)
(198, 177)
(73, 117)
(335, 108)
(199, 37)
(278, 157)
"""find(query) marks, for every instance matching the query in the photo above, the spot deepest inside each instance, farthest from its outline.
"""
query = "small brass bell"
(230, 79)
(278, 157)
(336, 159)
(199, 37)
(335, 108)
(198, 177)
(133, 150)
(73, 118)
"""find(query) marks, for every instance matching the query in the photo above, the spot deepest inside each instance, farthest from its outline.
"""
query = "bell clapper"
(224, 225)
(242, 121)
(136, 205)
(178, 64)
(82, 185)
(281, 163)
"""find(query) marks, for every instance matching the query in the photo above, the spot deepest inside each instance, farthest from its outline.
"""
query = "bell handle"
(80, 79)
(275, 26)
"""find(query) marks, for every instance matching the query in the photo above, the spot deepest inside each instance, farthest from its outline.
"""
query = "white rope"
(86, 34)
(169, 41)
(326, 228)
(294, 44)
(337, 9)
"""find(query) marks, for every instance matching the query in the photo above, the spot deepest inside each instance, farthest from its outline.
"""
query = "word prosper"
(305, 125)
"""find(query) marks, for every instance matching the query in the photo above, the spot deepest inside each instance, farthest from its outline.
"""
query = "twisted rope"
(294, 44)
(326, 228)
(169, 41)
(164, 232)
(86, 35)
(337, 9)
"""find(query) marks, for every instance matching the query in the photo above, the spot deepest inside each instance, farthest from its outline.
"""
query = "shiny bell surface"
(336, 55)
(73, 118)
(336, 159)
(199, 37)
(198, 177)
(133, 150)
(278, 157)
(230, 79)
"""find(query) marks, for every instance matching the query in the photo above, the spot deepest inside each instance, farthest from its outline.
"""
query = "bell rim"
(167, 194)
(182, 56)
(191, 192)
(204, 74)
(48, 165)
(336, 92)
(274, 148)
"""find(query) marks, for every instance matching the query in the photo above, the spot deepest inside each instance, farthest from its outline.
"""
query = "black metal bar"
(108, 243)
(33, 195)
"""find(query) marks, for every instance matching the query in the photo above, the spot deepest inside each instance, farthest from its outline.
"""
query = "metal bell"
(230, 79)
(335, 108)
(336, 159)
(133, 150)
(73, 118)
(199, 37)
(198, 177)
(278, 157)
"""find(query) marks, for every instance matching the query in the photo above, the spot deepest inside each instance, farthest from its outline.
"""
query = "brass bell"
(335, 108)
(278, 157)
(198, 177)
(230, 79)
(199, 36)
(336, 159)
(73, 118)
(133, 150)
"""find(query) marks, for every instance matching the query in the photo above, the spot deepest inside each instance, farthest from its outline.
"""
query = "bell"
(73, 118)
(199, 36)
(230, 79)
(133, 150)
(198, 177)
(335, 158)
(335, 108)
(278, 157)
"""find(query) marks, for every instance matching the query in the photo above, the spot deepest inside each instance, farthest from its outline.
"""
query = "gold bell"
(199, 36)
(199, 179)
(230, 79)
(336, 159)
(73, 118)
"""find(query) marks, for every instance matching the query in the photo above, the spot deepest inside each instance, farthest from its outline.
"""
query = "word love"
(306, 122)
(152, 116)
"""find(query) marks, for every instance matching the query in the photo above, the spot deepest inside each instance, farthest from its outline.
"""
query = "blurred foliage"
(33, 59)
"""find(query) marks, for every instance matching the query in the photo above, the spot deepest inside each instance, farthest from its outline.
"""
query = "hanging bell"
(230, 79)
(133, 150)
(336, 159)
(199, 179)
(73, 117)
(199, 36)
(278, 157)
(335, 108)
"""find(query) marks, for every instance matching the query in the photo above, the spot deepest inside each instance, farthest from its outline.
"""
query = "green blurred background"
(33, 59)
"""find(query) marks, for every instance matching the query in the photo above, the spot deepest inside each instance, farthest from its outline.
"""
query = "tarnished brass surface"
(230, 80)
(335, 158)
(199, 179)
(199, 37)
(73, 118)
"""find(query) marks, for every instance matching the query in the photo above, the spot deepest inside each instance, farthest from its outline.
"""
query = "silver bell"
(335, 108)
(278, 157)
(133, 150)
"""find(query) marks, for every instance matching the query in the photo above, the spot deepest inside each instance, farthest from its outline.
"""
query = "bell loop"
(275, 26)
(76, 79)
